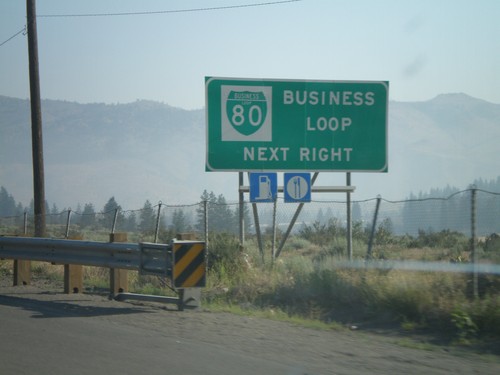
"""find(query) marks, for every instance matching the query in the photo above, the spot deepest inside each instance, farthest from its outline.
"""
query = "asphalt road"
(52, 333)
(43, 338)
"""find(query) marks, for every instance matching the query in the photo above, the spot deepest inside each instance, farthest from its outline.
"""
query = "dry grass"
(308, 282)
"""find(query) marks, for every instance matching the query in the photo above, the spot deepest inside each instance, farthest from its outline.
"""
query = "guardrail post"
(187, 236)
(118, 278)
(73, 274)
(22, 272)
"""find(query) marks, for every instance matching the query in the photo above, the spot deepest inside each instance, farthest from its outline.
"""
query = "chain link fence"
(162, 222)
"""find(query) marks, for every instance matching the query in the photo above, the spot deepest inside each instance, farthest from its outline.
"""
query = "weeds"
(305, 282)
(465, 326)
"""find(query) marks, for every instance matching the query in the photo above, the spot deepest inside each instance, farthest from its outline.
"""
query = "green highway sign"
(295, 125)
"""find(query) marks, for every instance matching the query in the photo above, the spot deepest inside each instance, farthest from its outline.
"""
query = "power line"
(169, 11)
(23, 30)
(191, 10)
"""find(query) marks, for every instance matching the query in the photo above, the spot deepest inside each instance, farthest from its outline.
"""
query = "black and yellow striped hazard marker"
(188, 264)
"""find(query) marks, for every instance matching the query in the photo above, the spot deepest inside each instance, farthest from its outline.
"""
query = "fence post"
(475, 286)
(374, 226)
(205, 219)
(25, 230)
(115, 217)
(67, 223)
(118, 278)
(157, 222)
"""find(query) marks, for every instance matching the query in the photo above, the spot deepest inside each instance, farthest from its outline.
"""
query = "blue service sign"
(297, 187)
(263, 187)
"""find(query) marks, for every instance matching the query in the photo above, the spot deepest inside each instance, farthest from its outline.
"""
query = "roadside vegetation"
(306, 281)
(307, 284)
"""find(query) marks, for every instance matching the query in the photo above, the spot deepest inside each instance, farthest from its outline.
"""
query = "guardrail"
(87, 253)
(183, 262)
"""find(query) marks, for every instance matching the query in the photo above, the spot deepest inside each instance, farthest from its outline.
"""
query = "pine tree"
(220, 217)
(109, 211)
(147, 218)
(179, 224)
(7, 203)
(88, 216)
(54, 215)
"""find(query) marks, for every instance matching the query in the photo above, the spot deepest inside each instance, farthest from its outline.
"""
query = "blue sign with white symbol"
(297, 187)
(263, 187)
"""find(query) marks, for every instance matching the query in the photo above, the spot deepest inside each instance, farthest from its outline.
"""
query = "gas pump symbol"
(264, 188)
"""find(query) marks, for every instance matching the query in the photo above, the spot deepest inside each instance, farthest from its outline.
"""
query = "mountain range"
(148, 150)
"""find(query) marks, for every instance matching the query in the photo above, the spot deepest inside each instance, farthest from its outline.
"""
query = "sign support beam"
(294, 219)
(314, 189)
(348, 189)
(349, 217)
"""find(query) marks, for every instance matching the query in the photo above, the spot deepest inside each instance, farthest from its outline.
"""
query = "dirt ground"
(319, 351)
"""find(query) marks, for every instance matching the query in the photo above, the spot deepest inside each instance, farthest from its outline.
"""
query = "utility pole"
(36, 122)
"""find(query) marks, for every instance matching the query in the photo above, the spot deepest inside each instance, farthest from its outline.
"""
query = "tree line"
(436, 210)
(224, 217)
(450, 208)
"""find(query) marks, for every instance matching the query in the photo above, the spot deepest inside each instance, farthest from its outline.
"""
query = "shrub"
(485, 313)
(224, 253)
(323, 234)
(445, 239)
(465, 326)
(492, 243)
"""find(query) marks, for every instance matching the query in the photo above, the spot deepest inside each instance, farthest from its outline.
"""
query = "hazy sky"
(424, 48)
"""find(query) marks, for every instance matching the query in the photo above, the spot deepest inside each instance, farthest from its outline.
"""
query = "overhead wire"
(190, 10)
(23, 30)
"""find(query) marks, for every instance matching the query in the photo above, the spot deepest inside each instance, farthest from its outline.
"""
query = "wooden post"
(73, 278)
(36, 121)
(73, 275)
(189, 236)
(22, 272)
(118, 278)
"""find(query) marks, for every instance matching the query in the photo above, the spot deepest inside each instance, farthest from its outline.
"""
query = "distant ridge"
(151, 150)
